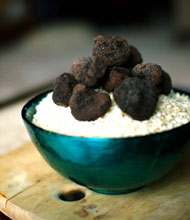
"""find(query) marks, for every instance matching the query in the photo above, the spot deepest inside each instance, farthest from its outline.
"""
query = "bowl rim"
(33, 99)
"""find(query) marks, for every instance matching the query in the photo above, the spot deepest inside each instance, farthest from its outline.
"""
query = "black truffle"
(63, 88)
(115, 77)
(87, 104)
(149, 71)
(134, 58)
(165, 85)
(136, 97)
(88, 70)
(114, 50)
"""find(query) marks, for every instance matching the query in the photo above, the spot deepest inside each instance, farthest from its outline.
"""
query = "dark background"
(23, 15)
(39, 39)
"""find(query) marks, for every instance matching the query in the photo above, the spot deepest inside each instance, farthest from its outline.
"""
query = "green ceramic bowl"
(108, 165)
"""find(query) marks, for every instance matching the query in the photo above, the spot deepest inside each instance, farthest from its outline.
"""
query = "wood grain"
(30, 188)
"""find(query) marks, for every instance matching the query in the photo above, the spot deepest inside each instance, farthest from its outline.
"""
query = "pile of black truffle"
(114, 67)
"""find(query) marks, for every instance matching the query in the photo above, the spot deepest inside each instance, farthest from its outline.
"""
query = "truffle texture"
(149, 71)
(115, 77)
(165, 85)
(87, 104)
(136, 97)
(88, 70)
(114, 50)
(63, 88)
(134, 58)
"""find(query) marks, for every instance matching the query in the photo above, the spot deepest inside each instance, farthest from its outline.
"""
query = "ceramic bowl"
(108, 165)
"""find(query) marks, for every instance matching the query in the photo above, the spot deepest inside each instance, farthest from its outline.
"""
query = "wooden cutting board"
(30, 189)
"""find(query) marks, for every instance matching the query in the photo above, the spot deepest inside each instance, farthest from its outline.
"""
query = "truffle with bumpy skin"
(87, 104)
(114, 50)
(136, 97)
(63, 88)
(165, 85)
(149, 71)
(134, 58)
(88, 70)
(115, 77)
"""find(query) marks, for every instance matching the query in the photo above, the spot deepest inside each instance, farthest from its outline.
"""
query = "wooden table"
(30, 189)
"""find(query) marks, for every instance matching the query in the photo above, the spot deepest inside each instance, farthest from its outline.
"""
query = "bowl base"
(116, 192)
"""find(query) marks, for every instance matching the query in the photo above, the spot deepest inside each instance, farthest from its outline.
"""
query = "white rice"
(172, 111)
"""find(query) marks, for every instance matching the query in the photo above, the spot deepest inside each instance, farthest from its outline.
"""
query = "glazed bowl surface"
(108, 165)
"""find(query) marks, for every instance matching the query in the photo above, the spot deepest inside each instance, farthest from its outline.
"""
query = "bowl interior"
(29, 110)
